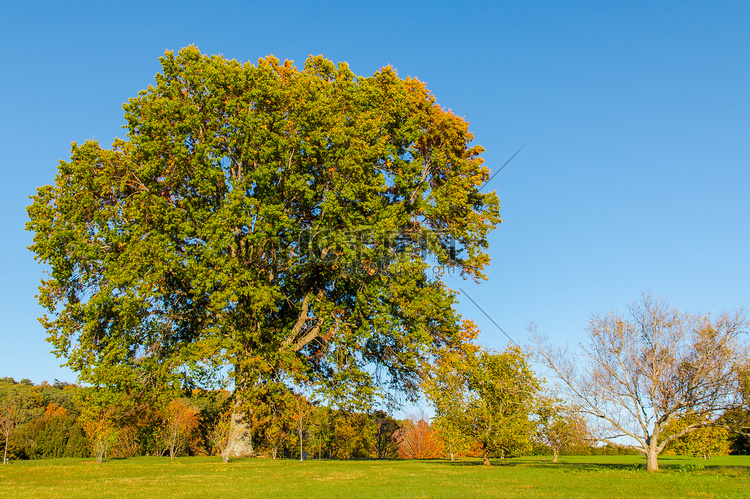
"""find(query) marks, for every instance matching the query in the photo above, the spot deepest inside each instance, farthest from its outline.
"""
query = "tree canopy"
(281, 223)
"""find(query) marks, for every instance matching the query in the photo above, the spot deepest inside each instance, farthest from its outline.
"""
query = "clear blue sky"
(635, 118)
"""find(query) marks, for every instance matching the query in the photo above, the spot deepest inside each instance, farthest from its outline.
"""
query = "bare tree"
(10, 417)
(301, 412)
(640, 370)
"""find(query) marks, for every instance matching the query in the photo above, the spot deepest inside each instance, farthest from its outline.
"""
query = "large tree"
(277, 222)
(641, 370)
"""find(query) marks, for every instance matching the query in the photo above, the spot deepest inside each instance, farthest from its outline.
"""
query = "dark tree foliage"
(386, 427)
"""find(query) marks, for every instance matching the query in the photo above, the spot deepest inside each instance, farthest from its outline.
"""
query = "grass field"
(574, 476)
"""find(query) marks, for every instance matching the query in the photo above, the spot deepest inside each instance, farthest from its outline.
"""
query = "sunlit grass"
(574, 476)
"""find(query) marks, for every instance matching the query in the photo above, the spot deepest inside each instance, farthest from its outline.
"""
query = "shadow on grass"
(665, 464)
(540, 464)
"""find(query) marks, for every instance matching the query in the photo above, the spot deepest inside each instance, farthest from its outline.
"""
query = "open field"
(574, 476)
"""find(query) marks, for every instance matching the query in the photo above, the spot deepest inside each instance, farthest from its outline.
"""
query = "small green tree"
(278, 434)
(455, 442)
(218, 434)
(321, 428)
(705, 442)
(104, 413)
(280, 425)
(486, 396)
(301, 411)
(444, 387)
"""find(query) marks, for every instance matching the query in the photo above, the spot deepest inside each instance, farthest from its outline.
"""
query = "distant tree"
(705, 442)
(218, 434)
(454, 442)
(739, 441)
(385, 433)
(641, 370)
(180, 422)
(102, 432)
(737, 419)
(559, 426)
(486, 396)
(445, 388)
(301, 412)
(11, 416)
(127, 443)
(211, 405)
(61, 394)
(124, 421)
(55, 434)
(416, 440)
(280, 423)
(321, 428)
(353, 435)
(277, 435)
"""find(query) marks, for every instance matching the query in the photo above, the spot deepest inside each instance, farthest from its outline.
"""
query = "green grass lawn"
(573, 476)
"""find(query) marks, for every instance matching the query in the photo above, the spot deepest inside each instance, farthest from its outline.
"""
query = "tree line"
(487, 404)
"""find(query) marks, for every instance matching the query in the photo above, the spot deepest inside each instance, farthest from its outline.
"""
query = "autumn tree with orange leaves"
(180, 422)
(416, 440)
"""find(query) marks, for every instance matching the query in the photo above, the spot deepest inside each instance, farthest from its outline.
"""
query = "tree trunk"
(99, 449)
(240, 442)
(5, 455)
(485, 459)
(453, 456)
(651, 458)
(554, 455)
